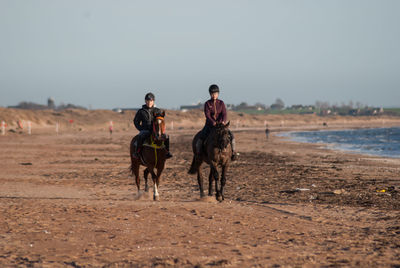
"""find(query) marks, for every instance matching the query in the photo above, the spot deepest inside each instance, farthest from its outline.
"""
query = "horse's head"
(159, 126)
(222, 135)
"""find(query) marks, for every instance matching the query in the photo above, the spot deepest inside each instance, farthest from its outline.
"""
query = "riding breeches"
(142, 136)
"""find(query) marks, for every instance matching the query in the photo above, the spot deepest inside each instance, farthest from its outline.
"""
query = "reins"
(153, 138)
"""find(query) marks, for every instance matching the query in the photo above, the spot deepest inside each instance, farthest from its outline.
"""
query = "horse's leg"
(200, 181)
(210, 184)
(160, 169)
(223, 180)
(215, 174)
(146, 174)
(155, 186)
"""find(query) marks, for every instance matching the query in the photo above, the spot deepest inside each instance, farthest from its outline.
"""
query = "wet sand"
(69, 200)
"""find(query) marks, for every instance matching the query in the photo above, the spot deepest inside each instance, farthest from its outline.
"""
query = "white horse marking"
(155, 189)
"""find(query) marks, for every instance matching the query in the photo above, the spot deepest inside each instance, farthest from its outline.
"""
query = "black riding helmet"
(149, 96)
(213, 89)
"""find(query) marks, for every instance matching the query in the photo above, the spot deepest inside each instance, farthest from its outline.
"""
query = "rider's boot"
(233, 146)
(135, 152)
(166, 142)
(138, 143)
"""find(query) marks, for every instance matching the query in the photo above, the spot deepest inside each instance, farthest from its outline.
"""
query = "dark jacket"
(215, 113)
(144, 118)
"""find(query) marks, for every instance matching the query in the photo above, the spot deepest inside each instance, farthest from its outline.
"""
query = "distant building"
(122, 110)
(277, 106)
(230, 106)
(297, 107)
(29, 106)
(245, 107)
(325, 112)
(192, 107)
(50, 103)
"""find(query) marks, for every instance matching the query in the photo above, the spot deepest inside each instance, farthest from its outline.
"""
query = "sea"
(372, 141)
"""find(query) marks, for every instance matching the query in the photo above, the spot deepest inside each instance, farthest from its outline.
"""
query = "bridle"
(155, 134)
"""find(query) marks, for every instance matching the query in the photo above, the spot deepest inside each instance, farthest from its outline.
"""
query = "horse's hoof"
(156, 198)
(219, 198)
(138, 195)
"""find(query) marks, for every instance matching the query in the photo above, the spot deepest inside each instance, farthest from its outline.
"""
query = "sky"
(106, 54)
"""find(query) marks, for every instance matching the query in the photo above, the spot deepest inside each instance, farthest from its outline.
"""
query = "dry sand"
(69, 200)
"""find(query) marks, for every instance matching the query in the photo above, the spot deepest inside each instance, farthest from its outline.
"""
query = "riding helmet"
(213, 89)
(149, 96)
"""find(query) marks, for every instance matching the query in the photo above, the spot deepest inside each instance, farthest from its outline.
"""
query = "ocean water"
(373, 141)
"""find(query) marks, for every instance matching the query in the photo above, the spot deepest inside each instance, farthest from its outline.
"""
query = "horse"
(152, 155)
(215, 152)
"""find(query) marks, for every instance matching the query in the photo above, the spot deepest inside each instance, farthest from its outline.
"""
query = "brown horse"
(152, 155)
(215, 152)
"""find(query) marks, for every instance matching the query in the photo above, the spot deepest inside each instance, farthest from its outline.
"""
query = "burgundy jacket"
(215, 113)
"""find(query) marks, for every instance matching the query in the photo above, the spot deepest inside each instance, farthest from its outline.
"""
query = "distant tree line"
(50, 106)
(320, 108)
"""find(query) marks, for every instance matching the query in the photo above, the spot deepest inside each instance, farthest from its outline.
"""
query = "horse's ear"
(227, 124)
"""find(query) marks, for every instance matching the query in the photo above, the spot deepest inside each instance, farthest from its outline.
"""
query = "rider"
(144, 123)
(215, 112)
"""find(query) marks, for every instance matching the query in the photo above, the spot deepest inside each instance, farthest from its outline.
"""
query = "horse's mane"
(215, 134)
(219, 127)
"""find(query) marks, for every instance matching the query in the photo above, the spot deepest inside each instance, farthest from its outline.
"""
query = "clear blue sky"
(108, 54)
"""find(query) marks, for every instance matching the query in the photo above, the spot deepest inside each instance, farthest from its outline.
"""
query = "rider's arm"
(137, 121)
(223, 112)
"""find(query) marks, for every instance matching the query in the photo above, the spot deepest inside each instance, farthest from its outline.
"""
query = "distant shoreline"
(341, 146)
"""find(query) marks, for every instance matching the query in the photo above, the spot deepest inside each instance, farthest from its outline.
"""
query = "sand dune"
(99, 119)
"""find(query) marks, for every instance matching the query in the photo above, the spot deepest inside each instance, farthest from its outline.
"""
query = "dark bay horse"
(215, 152)
(152, 155)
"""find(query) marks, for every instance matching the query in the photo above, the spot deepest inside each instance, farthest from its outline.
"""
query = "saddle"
(149, 142)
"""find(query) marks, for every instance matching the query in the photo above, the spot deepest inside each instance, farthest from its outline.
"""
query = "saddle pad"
(153, 145)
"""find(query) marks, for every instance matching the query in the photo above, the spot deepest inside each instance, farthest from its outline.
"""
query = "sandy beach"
(68, 200)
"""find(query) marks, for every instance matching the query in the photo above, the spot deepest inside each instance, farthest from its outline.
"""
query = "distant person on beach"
(215, 112)
(144, 123)
(267, 132)
(110, 128)
(19, 124)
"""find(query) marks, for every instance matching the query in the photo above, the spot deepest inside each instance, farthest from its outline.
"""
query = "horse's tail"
(193, 166)
(131, 168)
(132, 150)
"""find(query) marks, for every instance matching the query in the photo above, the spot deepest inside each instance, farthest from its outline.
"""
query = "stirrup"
(234, 156)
